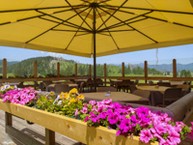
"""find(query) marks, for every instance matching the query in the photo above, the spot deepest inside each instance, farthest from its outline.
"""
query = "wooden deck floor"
(24, 130)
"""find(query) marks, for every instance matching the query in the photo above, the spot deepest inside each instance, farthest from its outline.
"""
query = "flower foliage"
(18, 95)
(134, 121)
(65, 103)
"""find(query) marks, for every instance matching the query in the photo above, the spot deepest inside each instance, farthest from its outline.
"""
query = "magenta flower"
(124, 126)
(92, 102)
(103, 115)
(84, 110)
(19, 96)
(113, 118)
(146, 136)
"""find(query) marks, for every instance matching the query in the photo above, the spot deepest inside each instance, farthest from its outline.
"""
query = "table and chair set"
(123, 91)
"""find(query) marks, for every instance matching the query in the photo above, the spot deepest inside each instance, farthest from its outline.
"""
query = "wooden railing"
(145, 77)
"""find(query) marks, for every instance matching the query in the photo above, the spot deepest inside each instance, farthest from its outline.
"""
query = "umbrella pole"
(94, 45)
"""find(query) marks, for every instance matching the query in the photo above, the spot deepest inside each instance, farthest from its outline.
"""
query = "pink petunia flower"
(146, 136)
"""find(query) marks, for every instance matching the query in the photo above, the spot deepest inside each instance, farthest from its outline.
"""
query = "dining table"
(121, 97)
(160, 89)
(156, 93)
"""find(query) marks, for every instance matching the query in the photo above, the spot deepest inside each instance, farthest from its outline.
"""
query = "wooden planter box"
(70, 127)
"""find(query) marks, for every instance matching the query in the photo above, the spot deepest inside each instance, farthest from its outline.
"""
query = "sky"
(183, 54)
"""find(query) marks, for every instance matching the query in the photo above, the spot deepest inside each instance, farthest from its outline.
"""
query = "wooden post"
(8, 120)
(174, 68)
(4, 68)
(145, 71)
(123, 69)
(50, 137)
(35, 69)
(90, 71)
(76, 69)
(105, 74)
(58, 69)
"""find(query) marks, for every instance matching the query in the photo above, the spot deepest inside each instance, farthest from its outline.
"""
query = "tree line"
(47, 66)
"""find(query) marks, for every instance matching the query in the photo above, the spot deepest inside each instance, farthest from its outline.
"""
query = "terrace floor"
(24, 130)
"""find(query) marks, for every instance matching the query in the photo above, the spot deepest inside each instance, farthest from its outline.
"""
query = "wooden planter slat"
(72, 128)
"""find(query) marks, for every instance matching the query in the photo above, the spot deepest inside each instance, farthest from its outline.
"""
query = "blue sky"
(183, 54)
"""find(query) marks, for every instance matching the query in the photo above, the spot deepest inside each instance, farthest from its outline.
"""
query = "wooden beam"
(50, 137)
(58, 69)
(90, 70)
(35, 69)
(123, 69)
(105, 74)
(76, 69)
(8, 120)
(4, 68)
(174, 68)
(145, 71)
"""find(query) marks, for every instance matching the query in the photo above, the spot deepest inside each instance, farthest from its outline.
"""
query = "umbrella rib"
(113, 13)
(78, 13)
(145, 35)
(67, 30)
(134, 28)
(145, 15)
(23, 19)
(41, 8)
(108, 31)
(121, 23)
(149, 9)
(163, 20)
(61, 24)
(123, 30)
(176, 23)
(66, 21)
(42, 33)
(32, 17)
(76, 32)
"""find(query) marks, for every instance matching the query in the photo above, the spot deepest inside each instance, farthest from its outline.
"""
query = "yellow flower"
(64, 95)
(73, 100)
(73, 91)
(80, 97)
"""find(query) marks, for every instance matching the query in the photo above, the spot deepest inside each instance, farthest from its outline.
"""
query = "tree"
(185, 73)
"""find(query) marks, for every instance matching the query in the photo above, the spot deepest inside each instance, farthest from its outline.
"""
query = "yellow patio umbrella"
(95, 27)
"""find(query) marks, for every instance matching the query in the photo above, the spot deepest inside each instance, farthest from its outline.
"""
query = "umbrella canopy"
(95, 27)
(73, 26)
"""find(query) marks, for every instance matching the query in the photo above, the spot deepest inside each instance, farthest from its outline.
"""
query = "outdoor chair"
(132, 88)
(124, 85)
(165, 84)
(99, 82)
(186, 88)
(86, 86)
(58, 88)
(42, 86)
(151, 83)
(171, 95)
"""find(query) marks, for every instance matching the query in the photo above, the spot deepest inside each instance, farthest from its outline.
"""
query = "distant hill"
(9, 62)
(168, 67)
(47, 66)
